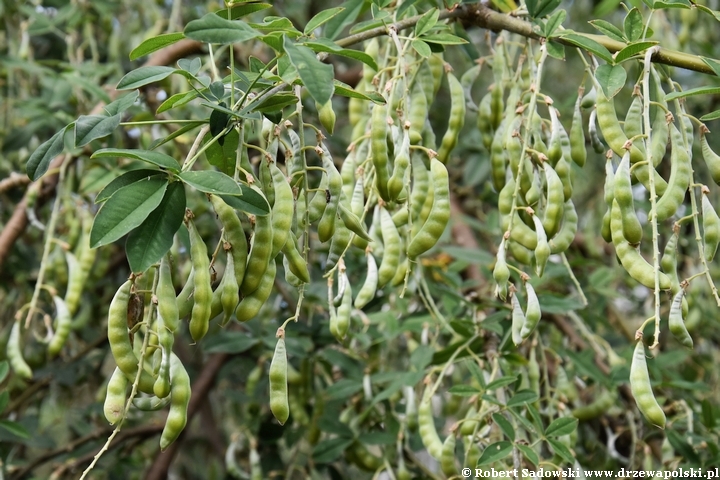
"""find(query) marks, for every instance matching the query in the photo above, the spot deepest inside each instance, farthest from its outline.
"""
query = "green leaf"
(4, 369)
(611, 78)
(444, 39)
(154, 44)
(177, 133)
(328, 46)
(328, 451)
(556, 50)
(15, 428)
(561, 426)
(633, 25)
(501, 382)
(507, 6)
(337, 24)
(122, 103)
(713, 13)
(377, 438)
(427, 22)
(343, 389)
(252, 201)
(685, 4)
(321, 18)
(315, 75)
(421, 357)
(608, 29)
(223, 156)
(711, 116)
(191, 66)
(692, 92)
(40, 159)
(126, 210)
(213, 29)
(713, 64)
(522, 397)
(494, 452)
(632, 50)
(148, 243)
(504, 425)
(682, 447)
(229, 342)
(562, 450)
(544, 7)
(589, 45)
(554, 22)
(156, 158)
(529, 453)
(276, 103)
(210, 181)
(4, 400)
(124, 180)
(463, 390)
(91, 127)
(422, 48)
(475, 371)
(143, 76)
(177, 100)
(238, 11)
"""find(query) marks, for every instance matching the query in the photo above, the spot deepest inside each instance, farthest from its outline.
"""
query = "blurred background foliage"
(59, 59)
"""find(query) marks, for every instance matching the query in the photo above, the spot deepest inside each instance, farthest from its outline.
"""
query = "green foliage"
(251, 154)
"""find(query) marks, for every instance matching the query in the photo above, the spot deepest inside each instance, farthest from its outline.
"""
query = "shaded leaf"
(4, 369)
(213, 29)
(149, 156)
(229, 342)
(562, 450)
(210, 181)
(238, 11)
(501, 382)
(494, 452)
(463, 390)
(91, 127)
(608, 29)
(15, 428)
(124, 180)
(427, 22)
(529, 453)
(328, 46)
(316, 76)
(126, 210)
(122, 103)
(251, 201)
(143, 76)
(692, 92)
(155, 43)
(444, 39)
(504, 425)
(561, 426)
(40, 159)
(633, 25)
(337, 24)
(522, 397)
(589, 45)
(632, 50)
(148, 243)
(321, 18)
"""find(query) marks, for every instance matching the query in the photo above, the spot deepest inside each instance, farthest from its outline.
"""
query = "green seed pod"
(202, 296)
(278, 383)
(251, 304)
(428, 433)
(555, 204)
(578, 152)
(114, 406)
(680, 175)
(63, 326)
(456, 121)
(676, 323)
(711, 227)
(439, 215)
(402, 161)
(562, 240)
(630, 256)
(542, 250)
(642, 389)
(712, 159)
(417, 114)
(380, 159)
(622, 193)
(14, 353)
(501, 273)
(373, 49)
(229, 290)
(484, 121)
(296, 262)
(367, 291)
(518, 320)
(598, 407)
(167, 303)
(447, 457)
(179, 399)
(327, 116)
(150, 404)
(532, 312)
(326, 227)
(282, 210)
(588, 101)
(391, 251)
